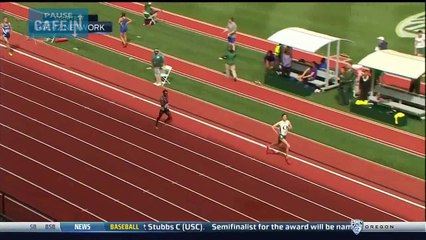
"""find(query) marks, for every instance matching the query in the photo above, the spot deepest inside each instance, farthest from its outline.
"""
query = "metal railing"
(19, 204)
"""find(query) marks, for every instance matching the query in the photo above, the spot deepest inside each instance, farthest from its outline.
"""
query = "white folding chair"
(150, 18)
(165, 73)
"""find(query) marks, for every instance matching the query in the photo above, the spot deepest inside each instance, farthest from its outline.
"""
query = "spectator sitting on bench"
(269, 60)
(149, 13)
(286, 62)
(309, 74)
(322, 65)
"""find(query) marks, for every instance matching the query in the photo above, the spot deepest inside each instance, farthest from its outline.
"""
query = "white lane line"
(274, 105)
(153, 153)
(40, 214)
(128, 161)
(99, 169)
(253, 159)
(248, 97)
(216, 128)
(363, 135)
(366, 136)
(165, 140)
(53, 194)
(183, 166)
(220, 29)
(206, 140)
(75, 180)
(182, 26)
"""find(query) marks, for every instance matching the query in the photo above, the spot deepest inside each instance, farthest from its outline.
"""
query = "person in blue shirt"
(6, 29)
(123, 21)
(322, 65)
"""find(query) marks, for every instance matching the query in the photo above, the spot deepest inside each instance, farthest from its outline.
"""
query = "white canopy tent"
(310, 41)
(400, 64)
(394, 62)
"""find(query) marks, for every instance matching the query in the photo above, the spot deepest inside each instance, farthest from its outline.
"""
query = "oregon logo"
(408, 27)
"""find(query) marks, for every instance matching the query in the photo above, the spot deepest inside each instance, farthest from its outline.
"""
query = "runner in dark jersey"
(164, 108)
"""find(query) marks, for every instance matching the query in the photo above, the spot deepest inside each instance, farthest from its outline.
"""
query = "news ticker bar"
(72, 227)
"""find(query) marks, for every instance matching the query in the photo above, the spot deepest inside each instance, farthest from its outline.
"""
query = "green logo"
(408, 27)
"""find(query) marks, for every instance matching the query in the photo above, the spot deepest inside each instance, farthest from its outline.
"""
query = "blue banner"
(58, 23)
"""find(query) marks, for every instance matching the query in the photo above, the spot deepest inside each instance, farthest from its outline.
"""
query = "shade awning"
(302, 39)
(394, 62)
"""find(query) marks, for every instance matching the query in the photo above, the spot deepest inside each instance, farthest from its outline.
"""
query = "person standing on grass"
(231, 28)
(157, 61)
(123, 21)
(230, 57)
(284, 126)
(419, 44)
(346, 81)
(6, 29)
(382, 45)
(164, 108)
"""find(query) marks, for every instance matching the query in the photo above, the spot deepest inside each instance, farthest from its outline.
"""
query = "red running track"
(396, 138)
(354, 167)
(243, 39)
(236, 160)
(10, 206)
(102, 164)
(357, 169)
(351, 123)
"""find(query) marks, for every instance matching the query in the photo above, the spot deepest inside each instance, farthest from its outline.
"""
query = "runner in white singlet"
(283, 126)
